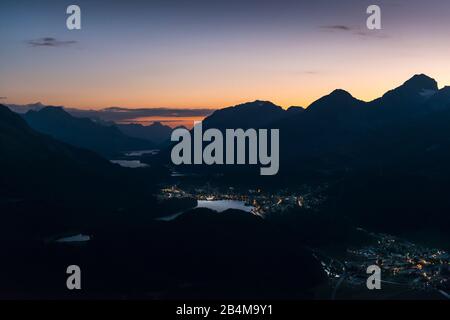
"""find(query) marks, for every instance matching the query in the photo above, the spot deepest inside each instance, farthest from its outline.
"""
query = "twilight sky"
(212, 54)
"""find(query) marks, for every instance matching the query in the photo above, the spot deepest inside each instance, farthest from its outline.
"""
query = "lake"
(74, 239)
(222, 205)
(130, 163)
(141, 153)
(216, 205)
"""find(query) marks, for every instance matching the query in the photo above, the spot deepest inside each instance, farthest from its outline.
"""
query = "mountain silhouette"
(339, 132)
(410, 96)
(295, 110)
(337, 106)
(83, 132)
(156, 132)
(337, 101)
(254, 114)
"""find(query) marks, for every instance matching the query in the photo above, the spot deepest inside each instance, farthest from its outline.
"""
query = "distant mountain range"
(106, 140)
(41, 118)
(156, 132)
(119, 114)
(23, 147)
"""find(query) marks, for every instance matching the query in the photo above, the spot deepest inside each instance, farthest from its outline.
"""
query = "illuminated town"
(262, 203)
(403, 264)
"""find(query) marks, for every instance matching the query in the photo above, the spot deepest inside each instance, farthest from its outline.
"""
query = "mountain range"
(107, 140)
(406, 128)
(126, 120)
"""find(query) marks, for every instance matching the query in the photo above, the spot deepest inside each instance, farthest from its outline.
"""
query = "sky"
(213, 54)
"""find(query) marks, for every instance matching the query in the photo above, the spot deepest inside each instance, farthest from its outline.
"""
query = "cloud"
(3, 98)
(337, 27)
(50, 42)
(362, 32)
(118, 114)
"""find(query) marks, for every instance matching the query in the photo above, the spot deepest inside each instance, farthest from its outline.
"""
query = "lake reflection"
(222, 205)
(130, 163)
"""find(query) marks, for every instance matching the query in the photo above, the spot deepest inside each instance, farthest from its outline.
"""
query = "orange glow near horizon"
(284, 92)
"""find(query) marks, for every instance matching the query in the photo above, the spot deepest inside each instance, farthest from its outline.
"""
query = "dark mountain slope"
(50, 185)
(439, 101)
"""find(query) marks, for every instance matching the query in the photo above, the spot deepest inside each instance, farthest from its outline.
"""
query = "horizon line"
(203, 108)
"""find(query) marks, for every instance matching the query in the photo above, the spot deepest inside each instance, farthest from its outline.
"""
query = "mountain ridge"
(334, 133)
